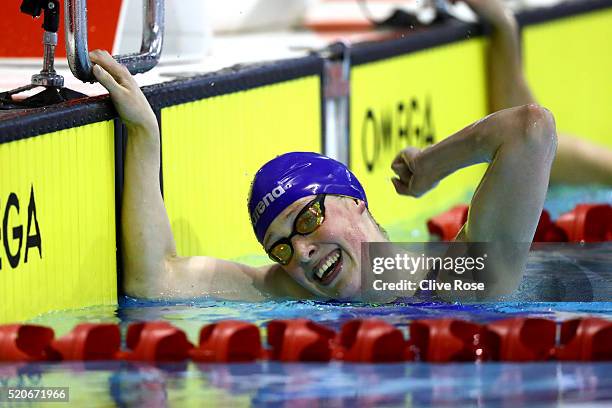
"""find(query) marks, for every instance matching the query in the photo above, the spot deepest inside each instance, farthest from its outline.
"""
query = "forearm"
(507, 84)
(477, 143)
(579, 161)
(519, 144)
(146, 235)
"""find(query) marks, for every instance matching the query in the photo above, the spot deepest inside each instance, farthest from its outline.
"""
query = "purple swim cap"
(291, 176)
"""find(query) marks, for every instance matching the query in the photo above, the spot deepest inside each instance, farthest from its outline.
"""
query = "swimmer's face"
(327, 262)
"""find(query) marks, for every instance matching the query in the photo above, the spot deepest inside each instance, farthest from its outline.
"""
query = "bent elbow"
(539, 125)
(539, 130)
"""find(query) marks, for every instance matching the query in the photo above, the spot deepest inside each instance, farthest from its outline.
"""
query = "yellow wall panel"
(212, 148)
(69, 177)
(568, 63)
(407, 100)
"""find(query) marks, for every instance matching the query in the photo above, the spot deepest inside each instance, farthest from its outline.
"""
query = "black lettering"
(13, 259)
(367, 159)
(414, 106)
(386, 130)
(403, 120)
(428, 125)
(394, 130)
(417, 130)
(32, 241)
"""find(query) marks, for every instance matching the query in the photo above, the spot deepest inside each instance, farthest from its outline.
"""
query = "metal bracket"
(336, 93)
(48, 76)
(75, 24)
(337, 64)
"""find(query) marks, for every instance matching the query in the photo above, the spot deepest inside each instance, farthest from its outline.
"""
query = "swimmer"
(578, 161)
(311, 214)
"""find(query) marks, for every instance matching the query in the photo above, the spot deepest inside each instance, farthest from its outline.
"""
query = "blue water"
(328, 385)
(581, 274)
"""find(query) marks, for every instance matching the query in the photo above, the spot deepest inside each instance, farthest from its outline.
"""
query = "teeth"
(329, 262)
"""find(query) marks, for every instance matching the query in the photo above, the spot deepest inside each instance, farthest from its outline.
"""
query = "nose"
(304, 249)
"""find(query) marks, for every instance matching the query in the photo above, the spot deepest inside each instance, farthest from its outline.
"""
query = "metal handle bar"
(77, 51)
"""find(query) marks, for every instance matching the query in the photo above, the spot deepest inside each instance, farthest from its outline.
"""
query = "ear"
(361, 207)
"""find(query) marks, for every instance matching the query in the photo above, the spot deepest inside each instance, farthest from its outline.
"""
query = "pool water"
(329, 385)
(270, 384)
(558, 284)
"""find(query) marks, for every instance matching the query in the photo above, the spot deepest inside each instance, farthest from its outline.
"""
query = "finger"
(409, 153)
(398, 160)
(402, 171)
(106, 61)
(400, 187)
(106, 79)
(397, 164)
(408, 156)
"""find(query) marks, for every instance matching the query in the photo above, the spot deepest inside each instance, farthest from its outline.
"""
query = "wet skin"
(346, 225)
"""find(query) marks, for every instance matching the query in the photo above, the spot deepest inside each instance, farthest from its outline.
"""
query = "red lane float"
(299, 340)
(548, 231)
(445, 340)
(587, 223)
(587, 339)
(24, 342)
(446, 226)
(156, 341)
(370, 341)
(88, 341)
(520, 339)
(228, 342)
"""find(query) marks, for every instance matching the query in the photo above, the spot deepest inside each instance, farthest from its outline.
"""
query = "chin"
(352, 289)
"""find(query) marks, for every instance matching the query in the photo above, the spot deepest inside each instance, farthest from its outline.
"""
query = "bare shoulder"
(279, 284)
(207, 276)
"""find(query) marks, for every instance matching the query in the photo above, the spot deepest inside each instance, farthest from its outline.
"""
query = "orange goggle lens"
(307, 222)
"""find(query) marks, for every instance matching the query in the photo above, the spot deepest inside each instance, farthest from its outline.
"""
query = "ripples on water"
(575, 273)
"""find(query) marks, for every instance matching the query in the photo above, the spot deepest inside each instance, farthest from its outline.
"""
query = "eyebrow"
(286, 217)
(292, 212)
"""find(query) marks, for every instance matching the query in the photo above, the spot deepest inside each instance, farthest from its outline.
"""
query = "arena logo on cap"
(268, 199)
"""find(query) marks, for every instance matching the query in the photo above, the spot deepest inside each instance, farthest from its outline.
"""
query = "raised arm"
(578, 161)
(151, 266)
(506, 82)
(519, 145)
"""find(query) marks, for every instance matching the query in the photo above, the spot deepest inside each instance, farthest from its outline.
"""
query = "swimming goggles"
(307, 221)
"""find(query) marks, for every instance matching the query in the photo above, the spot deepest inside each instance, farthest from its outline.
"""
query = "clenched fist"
(412, 179)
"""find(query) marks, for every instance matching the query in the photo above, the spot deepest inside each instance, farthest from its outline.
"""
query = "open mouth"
(329, 269)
